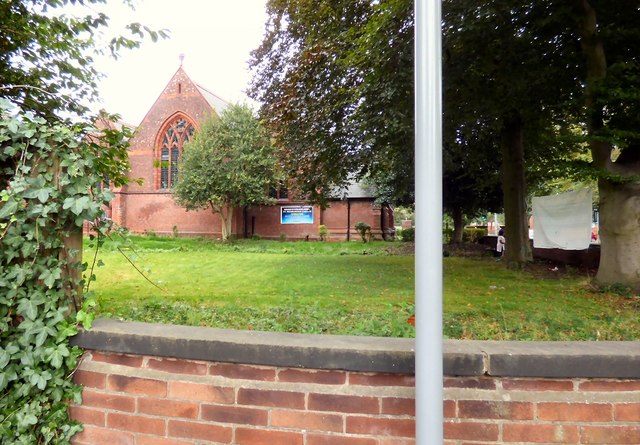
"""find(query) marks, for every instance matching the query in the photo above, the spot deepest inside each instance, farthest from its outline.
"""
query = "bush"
(408, 235)
(364, 230)
(323, 232)
(447, 235)
(473, 234)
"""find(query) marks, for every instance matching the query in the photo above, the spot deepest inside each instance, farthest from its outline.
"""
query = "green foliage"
(229, 163)
(620, 289)
(312, 318)
(323, 232)
(46, 58)
(364, 230)
(334, 75)
(49, 166)
(48, 172)
(407, 235)
(473, 234)
(402, 213)
(447, 234)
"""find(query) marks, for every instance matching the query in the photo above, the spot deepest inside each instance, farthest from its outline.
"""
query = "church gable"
(182, 103)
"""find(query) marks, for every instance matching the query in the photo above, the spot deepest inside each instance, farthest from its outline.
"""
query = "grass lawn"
(348, 288)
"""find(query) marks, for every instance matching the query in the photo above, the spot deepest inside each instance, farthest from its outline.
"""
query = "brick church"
(155, 151)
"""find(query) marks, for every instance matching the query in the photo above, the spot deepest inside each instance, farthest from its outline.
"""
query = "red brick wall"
(335, 217)
(137, 400)
(142, 399)
(159, 212)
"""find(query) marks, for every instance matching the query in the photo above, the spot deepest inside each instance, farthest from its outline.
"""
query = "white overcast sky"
(216, 37)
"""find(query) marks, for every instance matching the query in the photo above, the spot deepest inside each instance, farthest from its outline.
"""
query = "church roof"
(216, 102)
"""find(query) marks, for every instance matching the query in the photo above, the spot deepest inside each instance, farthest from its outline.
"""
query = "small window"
(164, 169)
(280, 192)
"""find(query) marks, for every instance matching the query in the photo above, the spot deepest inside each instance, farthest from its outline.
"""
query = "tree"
(335, 81)
(333, 78)
(229, 163)
(609, 40)
(506, 69)
(46, 54)
(310, 78)
(471, 180)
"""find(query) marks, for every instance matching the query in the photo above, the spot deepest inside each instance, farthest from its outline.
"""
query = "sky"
(215, 36)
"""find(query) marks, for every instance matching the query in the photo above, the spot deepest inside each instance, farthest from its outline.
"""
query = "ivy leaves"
(47, 173)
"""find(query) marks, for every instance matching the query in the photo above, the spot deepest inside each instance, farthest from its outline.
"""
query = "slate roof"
(216, 102)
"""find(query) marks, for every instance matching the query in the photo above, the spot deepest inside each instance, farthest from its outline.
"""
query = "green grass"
(348, 288)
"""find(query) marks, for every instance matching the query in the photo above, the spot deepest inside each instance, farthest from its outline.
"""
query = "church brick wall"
(146, 208)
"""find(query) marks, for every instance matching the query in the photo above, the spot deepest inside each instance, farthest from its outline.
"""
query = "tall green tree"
(306, 90)
(471, 180)
(506, 68)
(610, 40)
(335, 80)
(229, 163)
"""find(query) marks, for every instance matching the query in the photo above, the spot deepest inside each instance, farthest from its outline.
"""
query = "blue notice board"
(296, 215)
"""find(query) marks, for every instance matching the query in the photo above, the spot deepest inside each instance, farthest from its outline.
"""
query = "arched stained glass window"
(175, 134)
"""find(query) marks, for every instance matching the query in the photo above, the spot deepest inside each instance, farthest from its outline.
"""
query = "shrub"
(447, 235)
(283, 237)
(364, 230)
(473, 234)
(408, 235)
(323, 232)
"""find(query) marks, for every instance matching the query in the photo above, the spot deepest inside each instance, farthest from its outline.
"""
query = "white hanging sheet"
(563, 221)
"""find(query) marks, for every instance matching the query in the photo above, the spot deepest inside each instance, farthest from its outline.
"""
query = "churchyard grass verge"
(350, 288)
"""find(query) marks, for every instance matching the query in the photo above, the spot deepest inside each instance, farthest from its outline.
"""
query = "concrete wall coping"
(619, 360)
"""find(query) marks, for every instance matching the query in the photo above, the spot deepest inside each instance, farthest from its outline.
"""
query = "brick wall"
(142, 399)
(211, 386)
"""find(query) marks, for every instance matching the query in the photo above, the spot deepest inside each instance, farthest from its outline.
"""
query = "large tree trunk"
(619, 234)
(458, 225)
(518, 248)
(619, 202)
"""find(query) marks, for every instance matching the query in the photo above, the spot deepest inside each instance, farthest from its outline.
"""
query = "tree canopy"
(322, 99)
(47, 50)
(526, 84)
(335, 80)
(229, 163)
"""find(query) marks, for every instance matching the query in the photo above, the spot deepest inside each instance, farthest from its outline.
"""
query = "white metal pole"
(428, 174)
